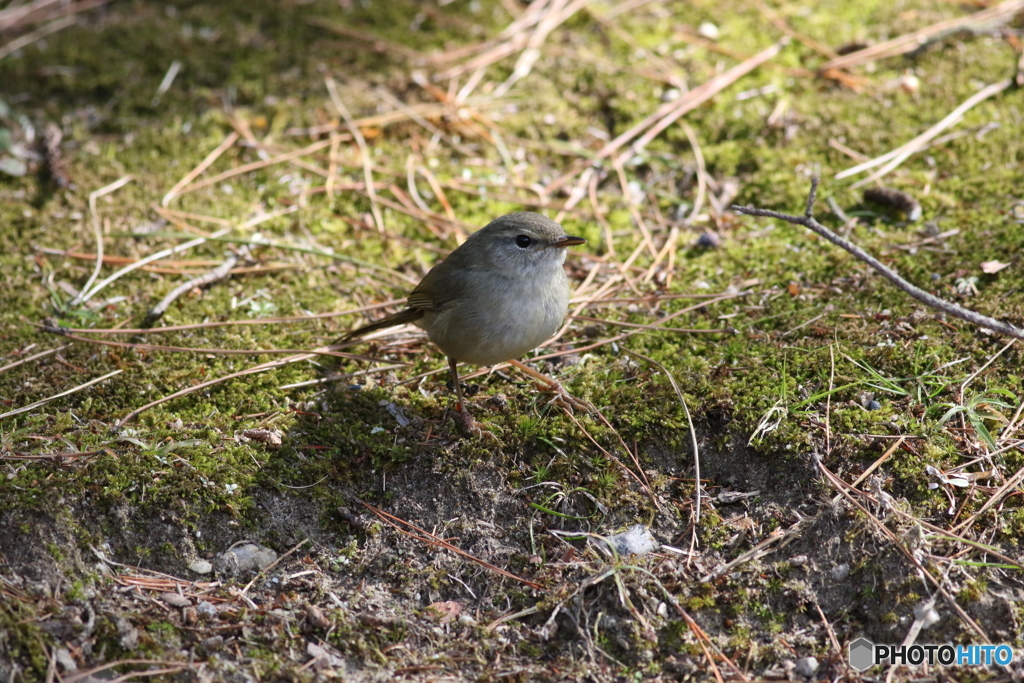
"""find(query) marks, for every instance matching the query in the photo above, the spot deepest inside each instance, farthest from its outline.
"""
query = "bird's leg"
(462, 416)
(555, 387)
(455, 380)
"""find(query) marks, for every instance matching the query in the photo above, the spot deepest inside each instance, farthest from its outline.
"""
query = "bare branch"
(219, 273)
(808, 221)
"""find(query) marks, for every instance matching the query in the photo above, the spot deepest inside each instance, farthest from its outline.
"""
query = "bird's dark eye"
(522, 241)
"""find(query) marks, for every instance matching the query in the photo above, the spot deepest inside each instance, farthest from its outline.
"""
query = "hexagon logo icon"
(862, 654)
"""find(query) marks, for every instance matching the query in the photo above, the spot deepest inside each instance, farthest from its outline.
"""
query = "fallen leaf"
(990, 267)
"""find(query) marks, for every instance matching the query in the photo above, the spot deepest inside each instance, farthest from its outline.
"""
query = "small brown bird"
(500, 294)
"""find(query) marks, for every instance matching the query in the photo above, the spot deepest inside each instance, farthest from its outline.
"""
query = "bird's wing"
(422, 301)
(438, 289)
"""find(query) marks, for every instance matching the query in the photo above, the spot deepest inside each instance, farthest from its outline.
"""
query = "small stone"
(636, 540)
(806, 667)
(315, 615)
(709, 30)
(206, 609)
(201, 567)
(129, 635)
(212, 643)
(245, 557)
(709, 240)
(324, 658)
(64, 660)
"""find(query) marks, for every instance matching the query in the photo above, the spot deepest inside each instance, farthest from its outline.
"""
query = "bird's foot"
(469, 426)
(561, 398)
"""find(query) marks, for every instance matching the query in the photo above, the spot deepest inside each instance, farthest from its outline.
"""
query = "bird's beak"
(567, 241)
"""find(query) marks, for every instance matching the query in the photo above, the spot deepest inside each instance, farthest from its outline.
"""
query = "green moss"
(812, 335)
(24, 640)
(973, 591)
(55, 551)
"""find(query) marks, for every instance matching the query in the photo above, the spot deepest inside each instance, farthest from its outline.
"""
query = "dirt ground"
(217, 494)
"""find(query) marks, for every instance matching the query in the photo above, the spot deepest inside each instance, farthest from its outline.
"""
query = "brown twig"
(778, 22)
(780, 539)
(169, 267)
(893, 539)
(897, 156)
(87, 293)
(808, 221)
(670, 111)
(693, 433)
(170, 667)
(875, 465)
(703, 640)
(67, 331)
(211, 351)
(40, 33)
(427, 537)
(438, 191)
(56, 456)
(636, 477)
(80, 387)
(97, 229)
(18, 15)
(256, 165)
(364, 152)
(996, 498)
(198, 170)
(681, 330)
(41, 354)
(376, 43)
(221, 272)
(914, 40)
(266, 570)
(262, 367)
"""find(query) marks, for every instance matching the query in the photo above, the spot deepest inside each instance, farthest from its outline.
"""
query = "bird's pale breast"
(504, 318)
